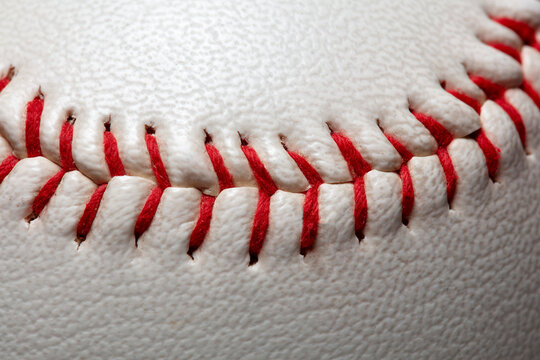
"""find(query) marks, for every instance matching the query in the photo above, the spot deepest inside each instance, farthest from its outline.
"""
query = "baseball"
(348, 179)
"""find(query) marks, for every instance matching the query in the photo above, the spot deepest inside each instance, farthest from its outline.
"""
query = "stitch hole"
(243, 140)
(330, 127)
(359, 235)
(149, 129)
(405, 222)
(70, 117)
(40, 94)
(33, 216)
(107, 124)
(191, 250)
(79, 240)
(207, 138)
(283, 140)
(253, 259)
(378, 121)
(10, 73)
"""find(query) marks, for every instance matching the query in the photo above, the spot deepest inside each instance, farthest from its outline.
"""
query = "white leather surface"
(455, 283)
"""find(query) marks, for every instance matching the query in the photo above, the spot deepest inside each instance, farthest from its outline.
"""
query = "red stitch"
(528, 35)
(6, 166)
(491, 153)
(449, 173)
(263, 178)
(516, 119)
(160, 173)
(492, 90)
(407, 194)
(116, 168)
(443, 138)
(406, 155)
(267, 188)
(148, 212)
(508, 50)
(524, 31)
(312, 176)
(203, 223)
(360, 207)
(358, 168)
(407, 197)
(533, 94)
(6, 79)
(357, 165)
(3, 82)
(225, 181)
(66, 161)
(310, 222)
(66, 139)
(260, 226)
(33, 118)
(467, 100)
(496, 93)
(90, 212)
(225, 178)
(150, 207)
(46, 193)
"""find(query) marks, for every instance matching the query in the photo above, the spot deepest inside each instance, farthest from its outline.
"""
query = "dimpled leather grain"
(457, 278)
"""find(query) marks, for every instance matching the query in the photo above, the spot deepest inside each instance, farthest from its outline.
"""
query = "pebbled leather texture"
(456, 278)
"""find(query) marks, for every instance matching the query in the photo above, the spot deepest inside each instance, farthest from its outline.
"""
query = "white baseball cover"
(351, 179)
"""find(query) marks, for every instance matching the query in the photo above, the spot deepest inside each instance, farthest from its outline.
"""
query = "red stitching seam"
(116, 168)
(407, 192)
(150, 207)
(310, 224)
(225, 181)
(267, 188)
(358, 167)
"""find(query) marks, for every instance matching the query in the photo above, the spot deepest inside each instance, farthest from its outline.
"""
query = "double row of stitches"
(358, 167)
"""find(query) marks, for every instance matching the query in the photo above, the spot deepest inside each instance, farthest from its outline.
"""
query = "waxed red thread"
(358, 167)
(33, 119)
(310, 222)
(225, 181)
(407, 189)
(267, 188)
(90, 211)
(112, 157)
(116, 168)
(490, 151)
(443, 138)
(496, 92)
(7, 165)
(508, 50)
(531, 92)
(528, 36)
(524, 31)
(6, 79)
(66, 162)
(162, 179)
